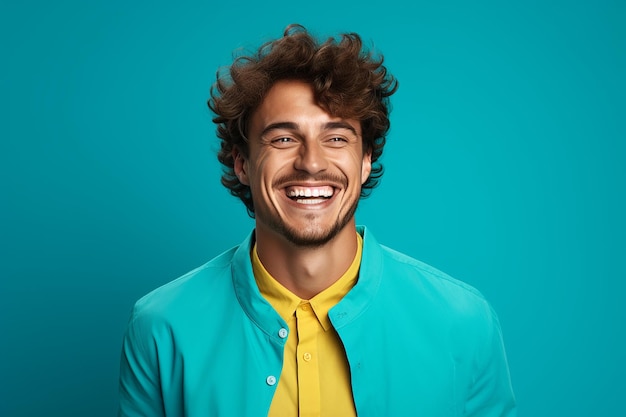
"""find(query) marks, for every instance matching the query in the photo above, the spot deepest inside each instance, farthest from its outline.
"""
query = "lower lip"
(311, 201)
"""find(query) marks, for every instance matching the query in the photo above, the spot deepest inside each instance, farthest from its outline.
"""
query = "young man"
(310, 316)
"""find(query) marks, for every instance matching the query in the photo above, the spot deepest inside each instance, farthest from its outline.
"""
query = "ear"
(366, 166)
(240, 166)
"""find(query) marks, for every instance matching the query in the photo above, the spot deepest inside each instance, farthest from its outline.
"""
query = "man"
(310, 316)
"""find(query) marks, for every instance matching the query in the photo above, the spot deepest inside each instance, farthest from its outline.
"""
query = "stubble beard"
(308, 238)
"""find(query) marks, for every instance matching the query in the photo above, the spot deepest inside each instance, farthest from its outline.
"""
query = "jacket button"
(271, 380)
(283, 333)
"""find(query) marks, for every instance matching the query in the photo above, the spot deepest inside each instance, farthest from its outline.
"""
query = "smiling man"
(305, 169)
(310, 316)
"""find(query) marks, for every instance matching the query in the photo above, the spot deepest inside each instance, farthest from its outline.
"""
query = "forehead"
(288, 97)
(293, 101)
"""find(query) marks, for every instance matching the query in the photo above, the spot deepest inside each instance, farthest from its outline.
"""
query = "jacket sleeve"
(139, 384)
(491, 394)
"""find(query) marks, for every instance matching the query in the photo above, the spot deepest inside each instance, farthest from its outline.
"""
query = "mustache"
(304, 177)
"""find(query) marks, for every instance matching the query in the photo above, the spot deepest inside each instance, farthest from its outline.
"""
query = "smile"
(310, 195)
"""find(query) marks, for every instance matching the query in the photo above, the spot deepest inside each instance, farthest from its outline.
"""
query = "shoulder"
(425, 289)
(426, 294)
(190, 291)
(422, 274)
(404, 278)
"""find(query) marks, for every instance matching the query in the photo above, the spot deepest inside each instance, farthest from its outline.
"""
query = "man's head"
(347, 81)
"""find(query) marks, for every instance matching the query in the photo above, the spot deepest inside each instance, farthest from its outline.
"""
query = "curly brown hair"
(348, 80)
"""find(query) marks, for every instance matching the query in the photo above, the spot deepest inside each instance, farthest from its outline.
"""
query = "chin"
(309, 239)
(311, 234)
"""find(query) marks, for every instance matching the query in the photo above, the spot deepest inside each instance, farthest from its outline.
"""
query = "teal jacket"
(419, 343)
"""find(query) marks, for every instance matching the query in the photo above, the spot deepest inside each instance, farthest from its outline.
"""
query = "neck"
(306, 271)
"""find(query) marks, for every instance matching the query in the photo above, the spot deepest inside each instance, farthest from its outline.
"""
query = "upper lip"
(306, 185)
(309, 184)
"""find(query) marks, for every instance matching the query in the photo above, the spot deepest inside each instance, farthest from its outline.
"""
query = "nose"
(311, 158)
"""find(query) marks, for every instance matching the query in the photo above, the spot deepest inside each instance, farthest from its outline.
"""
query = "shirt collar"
(285, 302)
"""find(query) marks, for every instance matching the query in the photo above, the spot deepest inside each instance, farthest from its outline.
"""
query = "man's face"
(305, 168)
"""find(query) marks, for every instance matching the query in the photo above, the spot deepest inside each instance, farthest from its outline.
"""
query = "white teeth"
(325, 192)
(310, 200)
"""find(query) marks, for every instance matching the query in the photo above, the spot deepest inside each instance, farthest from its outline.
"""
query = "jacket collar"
(362, 294)
(270, 322)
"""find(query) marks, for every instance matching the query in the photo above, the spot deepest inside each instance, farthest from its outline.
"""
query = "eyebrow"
(279, 125)
(295, 126)
(340, 125)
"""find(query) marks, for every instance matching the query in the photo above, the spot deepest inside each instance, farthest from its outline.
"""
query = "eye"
(283, 141)
(337, 141)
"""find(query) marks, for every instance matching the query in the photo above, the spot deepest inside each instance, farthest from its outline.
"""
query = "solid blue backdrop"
(505, 167)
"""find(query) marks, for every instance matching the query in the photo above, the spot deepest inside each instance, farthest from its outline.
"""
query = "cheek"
(266, 170)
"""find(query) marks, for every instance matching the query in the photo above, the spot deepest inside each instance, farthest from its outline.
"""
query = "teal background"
(505, 167)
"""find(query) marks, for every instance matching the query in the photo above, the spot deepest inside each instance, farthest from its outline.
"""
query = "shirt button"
(307, 356)
(271, 380)
(305, 307)
(283, 333)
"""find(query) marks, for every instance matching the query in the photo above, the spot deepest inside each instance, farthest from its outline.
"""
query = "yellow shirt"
(315, 379)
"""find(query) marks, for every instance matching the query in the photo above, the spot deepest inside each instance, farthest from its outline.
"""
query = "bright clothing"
(315, 379)
(418, 343)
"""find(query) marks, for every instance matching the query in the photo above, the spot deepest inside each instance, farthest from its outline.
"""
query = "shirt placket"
(307, 362)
